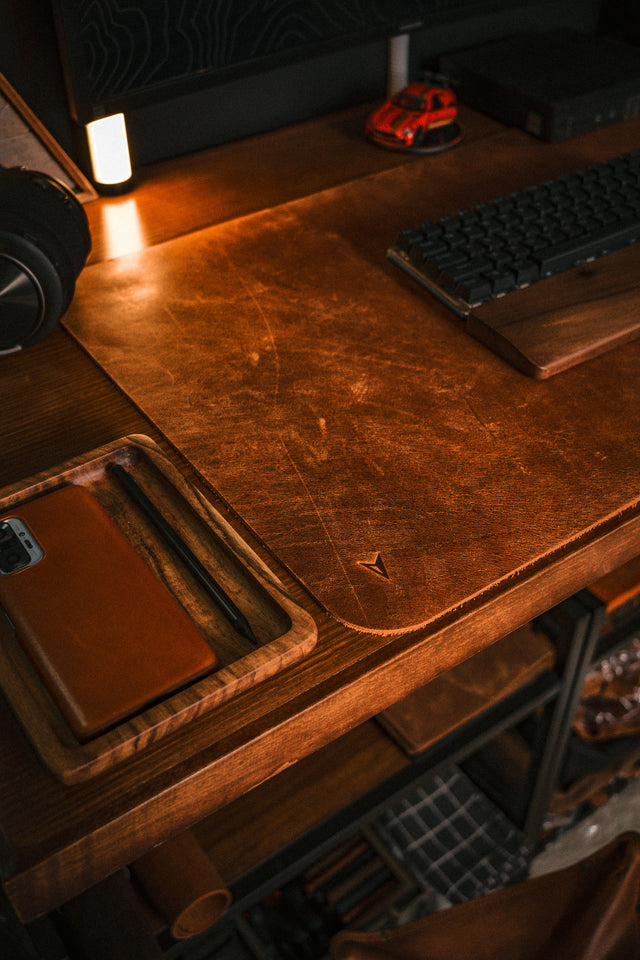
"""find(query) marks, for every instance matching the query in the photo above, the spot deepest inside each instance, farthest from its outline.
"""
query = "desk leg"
(581, 618)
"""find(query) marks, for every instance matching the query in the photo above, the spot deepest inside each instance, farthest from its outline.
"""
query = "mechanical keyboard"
(485, 252)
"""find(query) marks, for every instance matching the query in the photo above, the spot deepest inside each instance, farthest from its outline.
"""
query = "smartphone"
(104, 634)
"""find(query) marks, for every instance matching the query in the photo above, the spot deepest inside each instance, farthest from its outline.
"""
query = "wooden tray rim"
(74, 762)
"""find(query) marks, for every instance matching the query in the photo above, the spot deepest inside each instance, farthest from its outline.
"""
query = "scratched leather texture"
(587, 911)
(344, 414)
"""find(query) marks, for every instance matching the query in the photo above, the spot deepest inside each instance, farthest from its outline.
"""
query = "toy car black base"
(433, 141)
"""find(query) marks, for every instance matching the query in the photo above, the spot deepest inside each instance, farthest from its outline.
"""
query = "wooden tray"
(284, 631)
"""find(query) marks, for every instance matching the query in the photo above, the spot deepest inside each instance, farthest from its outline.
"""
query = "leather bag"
(583, 912)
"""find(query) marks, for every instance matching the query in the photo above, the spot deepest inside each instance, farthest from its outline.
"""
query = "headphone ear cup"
(44, 244)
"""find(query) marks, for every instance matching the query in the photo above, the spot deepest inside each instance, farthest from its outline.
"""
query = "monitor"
(236, 67)
(121, 55)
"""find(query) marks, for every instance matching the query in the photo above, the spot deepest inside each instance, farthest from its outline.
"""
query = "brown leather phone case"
(105, 635)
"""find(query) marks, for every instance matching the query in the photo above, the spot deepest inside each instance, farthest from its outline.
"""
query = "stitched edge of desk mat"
(284, 631)
(396, 467)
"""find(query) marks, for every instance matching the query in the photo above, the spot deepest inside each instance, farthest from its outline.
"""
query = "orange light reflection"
(122, 228)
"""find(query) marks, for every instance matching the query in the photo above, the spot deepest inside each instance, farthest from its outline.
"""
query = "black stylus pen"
(204, 578)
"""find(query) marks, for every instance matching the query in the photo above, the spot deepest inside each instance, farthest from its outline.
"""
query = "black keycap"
(501, 281)
(525, 271)
(474, 290)
(407, 239)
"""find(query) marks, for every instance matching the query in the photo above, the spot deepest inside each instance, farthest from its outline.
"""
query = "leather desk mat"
(395, 465)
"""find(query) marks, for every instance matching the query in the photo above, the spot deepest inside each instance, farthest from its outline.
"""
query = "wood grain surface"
(566, 455)
(551, 326)
(284, 631)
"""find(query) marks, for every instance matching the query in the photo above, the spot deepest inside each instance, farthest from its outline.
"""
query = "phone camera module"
(13, 556)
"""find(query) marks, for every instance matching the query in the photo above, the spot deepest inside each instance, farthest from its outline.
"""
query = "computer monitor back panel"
(256, 61)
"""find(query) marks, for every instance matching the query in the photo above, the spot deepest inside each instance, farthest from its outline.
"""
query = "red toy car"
(420, 118)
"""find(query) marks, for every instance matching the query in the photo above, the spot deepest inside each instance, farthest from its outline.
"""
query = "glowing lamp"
(109, 150)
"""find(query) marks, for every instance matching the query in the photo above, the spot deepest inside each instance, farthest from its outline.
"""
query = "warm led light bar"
(109, 149)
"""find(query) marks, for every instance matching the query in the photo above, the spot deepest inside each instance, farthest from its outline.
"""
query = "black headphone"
(44, 244)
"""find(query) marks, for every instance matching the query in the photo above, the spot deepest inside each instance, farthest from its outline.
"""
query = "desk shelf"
(585, 768)
(269, 837)
(352, 780)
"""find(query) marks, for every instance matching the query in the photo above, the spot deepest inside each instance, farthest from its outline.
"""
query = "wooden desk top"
(566, 454)
(343, 413)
